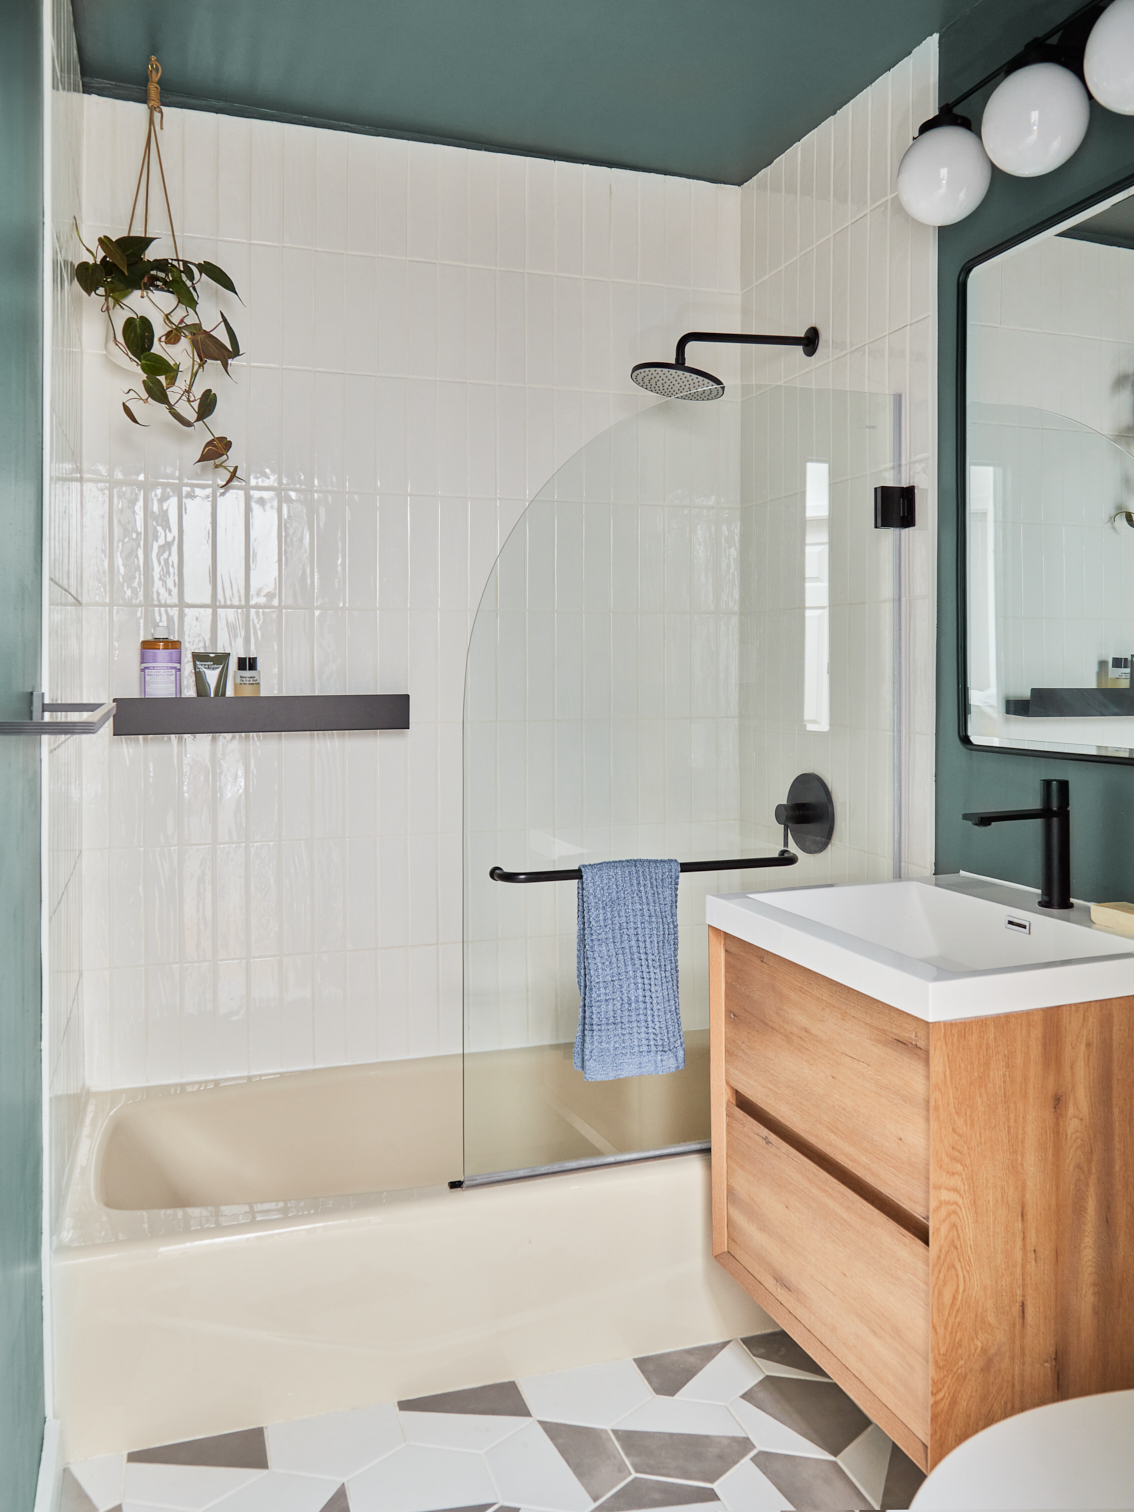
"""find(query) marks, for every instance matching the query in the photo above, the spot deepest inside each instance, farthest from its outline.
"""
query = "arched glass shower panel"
(653, 650)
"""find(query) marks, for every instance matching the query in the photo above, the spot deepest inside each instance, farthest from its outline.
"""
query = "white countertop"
(939, 948)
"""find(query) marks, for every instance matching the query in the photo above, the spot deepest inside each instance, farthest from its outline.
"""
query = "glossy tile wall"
(825, 242)
(430, 334)
(63, 673)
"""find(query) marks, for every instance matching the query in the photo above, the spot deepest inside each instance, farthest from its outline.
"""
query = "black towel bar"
(745, 863)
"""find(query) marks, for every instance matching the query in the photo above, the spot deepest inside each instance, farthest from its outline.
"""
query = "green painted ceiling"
(709, 89)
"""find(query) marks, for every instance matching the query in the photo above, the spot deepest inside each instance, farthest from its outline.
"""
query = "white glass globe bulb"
(944, 175)
(1109, 61)
(1035, 119)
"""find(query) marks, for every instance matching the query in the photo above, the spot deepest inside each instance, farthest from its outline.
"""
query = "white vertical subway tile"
(421, 200)
(511, 212)
(597, 217)
(483, 191)
(487, 309)
(298, 200)
(570, 179)
(361, 193)
(393, 197)
(332, 150)
(539, 216)
(453, 205)
(651, 228)
(624, 225)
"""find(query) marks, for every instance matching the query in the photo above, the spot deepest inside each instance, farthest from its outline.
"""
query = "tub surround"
(942, 1293)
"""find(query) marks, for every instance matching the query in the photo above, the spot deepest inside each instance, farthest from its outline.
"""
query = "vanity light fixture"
(1108, 63)
(1035, 119)
(945, 173)
(1033, 122)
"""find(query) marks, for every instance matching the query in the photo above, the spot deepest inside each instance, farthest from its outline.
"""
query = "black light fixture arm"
(809, 341)
(1032, 53)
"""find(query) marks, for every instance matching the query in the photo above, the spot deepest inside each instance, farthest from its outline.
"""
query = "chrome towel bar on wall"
(40, 724)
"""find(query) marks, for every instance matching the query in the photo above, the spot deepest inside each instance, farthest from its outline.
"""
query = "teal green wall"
(1102, 794)
(21, 212)
(668, 86)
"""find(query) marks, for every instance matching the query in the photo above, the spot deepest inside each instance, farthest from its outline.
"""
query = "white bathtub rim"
(90, 1229)
(86, 1222)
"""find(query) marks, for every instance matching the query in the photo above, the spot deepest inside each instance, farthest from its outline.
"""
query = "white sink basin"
(938, 947)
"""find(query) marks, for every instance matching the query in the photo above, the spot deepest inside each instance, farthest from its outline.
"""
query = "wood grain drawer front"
(857, 1280)
(850, 1074)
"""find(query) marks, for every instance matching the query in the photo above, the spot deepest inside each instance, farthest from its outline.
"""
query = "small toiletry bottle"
(1120, 672)
(210, 672)
(161, 665)
(1102, 675)
(247, 677)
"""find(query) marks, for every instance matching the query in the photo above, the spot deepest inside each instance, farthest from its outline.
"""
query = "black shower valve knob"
(798, 813)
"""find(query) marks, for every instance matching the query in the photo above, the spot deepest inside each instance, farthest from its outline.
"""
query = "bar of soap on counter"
(1116, 916)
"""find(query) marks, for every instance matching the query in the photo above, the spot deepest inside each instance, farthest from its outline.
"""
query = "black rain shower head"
(676, 380)
(673, 380)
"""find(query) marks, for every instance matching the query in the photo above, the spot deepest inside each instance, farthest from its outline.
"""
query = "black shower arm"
(809, 341)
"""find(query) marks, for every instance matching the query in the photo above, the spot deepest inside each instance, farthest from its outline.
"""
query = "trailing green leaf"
(156, 365)
(182, 291)
(209, 349)
(114, 252)
(122, 270)
(138, 337)
(218, 276)
(215, 449)
(135, 246)
(231, 334)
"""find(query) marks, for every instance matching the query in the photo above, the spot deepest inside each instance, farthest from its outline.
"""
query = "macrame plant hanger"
(153, 145)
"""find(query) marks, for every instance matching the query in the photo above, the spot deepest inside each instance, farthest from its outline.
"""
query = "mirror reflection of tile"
(1050, 434)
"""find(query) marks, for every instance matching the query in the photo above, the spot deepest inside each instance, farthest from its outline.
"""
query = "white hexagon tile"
(751, 1425)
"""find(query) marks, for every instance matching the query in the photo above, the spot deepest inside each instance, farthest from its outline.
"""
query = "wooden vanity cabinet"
(942, 1215)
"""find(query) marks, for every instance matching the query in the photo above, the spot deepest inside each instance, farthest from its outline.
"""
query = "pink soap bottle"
(161, 665)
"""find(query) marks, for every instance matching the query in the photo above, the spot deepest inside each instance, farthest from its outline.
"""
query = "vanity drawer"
(855, 1278)
(847, 1073)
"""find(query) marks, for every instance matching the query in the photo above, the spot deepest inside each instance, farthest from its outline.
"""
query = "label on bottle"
(161, 674)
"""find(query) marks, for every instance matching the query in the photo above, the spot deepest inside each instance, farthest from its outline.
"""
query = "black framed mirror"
(1045, 443)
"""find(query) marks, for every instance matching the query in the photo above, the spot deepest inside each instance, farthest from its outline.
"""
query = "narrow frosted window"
(982, 590)
(817, 599)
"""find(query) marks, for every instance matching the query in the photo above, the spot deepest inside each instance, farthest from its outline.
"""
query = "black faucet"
(1055, 885)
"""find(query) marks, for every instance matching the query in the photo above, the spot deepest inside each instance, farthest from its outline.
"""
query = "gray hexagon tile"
(750, 1425)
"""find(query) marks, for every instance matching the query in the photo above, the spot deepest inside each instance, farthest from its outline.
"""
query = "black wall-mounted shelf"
(262, 716)
(1073, 703)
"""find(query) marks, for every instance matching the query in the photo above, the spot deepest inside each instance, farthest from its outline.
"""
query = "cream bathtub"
(248, 1252)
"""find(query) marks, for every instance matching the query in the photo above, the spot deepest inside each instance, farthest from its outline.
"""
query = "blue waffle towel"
(626, 964)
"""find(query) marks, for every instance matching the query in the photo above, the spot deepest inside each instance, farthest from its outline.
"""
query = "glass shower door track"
(587, 1163)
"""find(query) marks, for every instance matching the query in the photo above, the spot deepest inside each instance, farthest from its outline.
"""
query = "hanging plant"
(170, 346)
